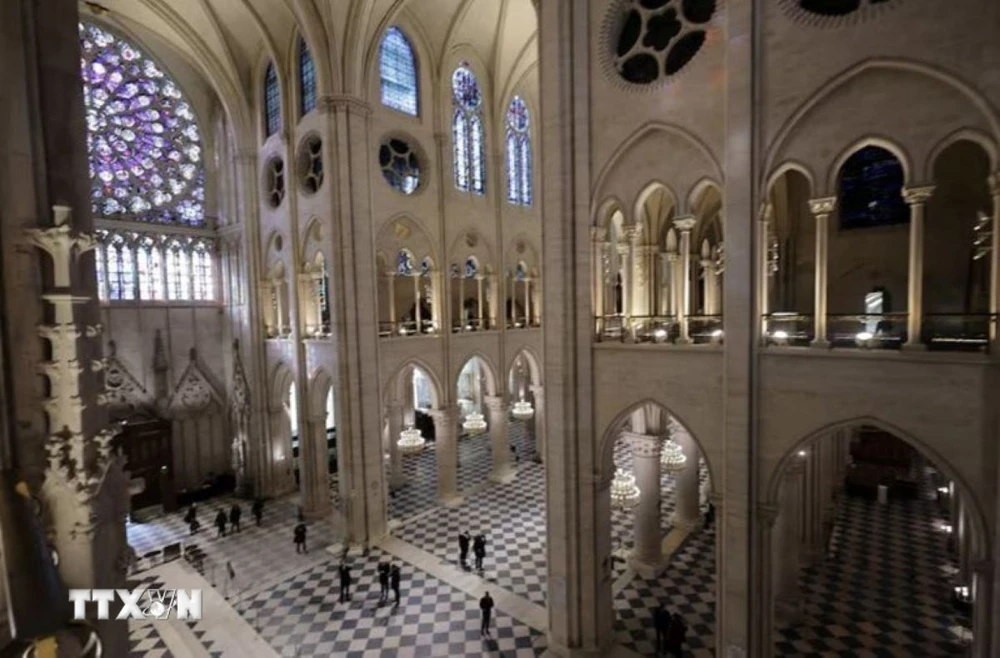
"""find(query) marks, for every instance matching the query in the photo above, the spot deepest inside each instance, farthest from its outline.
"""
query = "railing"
(406, 328)
(522, 324)
(788, 328)
(705, 328)
(637, 329)
(957, 332)
(885, 331)
(472, 324)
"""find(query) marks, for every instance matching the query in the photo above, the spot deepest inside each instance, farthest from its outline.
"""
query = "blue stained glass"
(102, 290)
(404, 263)
(519, 183)
(150, 271)
(398, 71)
(471, 268)
(307, 79)
(467, 132)
(272, 101)
(871, 190)
(144, 146)
(203, 280)
(520, 273)
(178, 272)
(121, 270)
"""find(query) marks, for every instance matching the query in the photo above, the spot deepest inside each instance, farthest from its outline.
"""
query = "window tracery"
(519, 181)
(144, 145)
(156, 268)
(655, 39)
(467, 132)
(398, 72)
(400, 165)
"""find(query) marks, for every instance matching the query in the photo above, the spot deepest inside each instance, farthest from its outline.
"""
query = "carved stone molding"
(823, 206)
(194, 392)
(918, 194)
(122, 389)
(333, 102)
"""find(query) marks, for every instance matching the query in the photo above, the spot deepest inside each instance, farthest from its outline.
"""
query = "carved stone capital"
(685, 223)
(598, 233)
(495, 403)
(444, 418)
(767, 514)
(918, 195)
(993, 180)
(351, 104)
(822, 207)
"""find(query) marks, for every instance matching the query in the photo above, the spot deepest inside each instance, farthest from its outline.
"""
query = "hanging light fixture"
(474, 422)
(522, 410)
(624, 492)
(410, 442)
(672, 458)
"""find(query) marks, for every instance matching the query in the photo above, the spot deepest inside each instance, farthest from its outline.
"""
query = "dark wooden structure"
(145, 440)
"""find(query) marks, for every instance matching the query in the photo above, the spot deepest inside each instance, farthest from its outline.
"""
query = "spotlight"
(802, 453)
(660, 334)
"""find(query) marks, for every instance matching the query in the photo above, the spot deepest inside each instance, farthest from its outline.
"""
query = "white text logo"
(139, 603)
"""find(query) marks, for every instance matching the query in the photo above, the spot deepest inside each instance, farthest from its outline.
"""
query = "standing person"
(234, 517)
(486, 606)
(661, 622)
(220, 522)
(394, 577)
(676, 636)
(709, 515)
(463, 548)
(345, 583)
(300, 538)
(231, 589)
(479, 549)
(383, 582)
(258, 510)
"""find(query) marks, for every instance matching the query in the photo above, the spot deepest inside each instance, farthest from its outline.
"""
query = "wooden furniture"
(145, 440)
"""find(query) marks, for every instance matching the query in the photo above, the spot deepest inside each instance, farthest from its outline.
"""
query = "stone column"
(785, 562)
(314, 466)
(916, 198)
(994, 183)
(821, 210)
(499, 439)
(984, 621)
(764, 281)
(815, 502)
(390, 278)
(684, 225)
(647, 557)
(538, 421)
(479, 302)
(961, 530)
(527, 303)
(416, 303)
(446, 453)
(394, 414)
(687, 491)
(711, 285)
(461, 302)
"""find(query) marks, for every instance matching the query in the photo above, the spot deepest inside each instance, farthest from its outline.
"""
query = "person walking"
(383, 582)
(220, 522)
(463, 549)
(661, 622)
(479, 550)
(394, 576)
(486, 607)
(300, 538)
(234, 517)
(676, 636)
(345, 583)
(231, 590)
(258, 510)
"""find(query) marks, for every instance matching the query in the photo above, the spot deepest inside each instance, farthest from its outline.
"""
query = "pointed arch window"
(121, 269)
(307, 79)
(203, 281)
(272, 101)
(150, 261)
(398, 72)
(102, 283)
(178, 271)
(870, 190)
(467, 132)
(519, 181)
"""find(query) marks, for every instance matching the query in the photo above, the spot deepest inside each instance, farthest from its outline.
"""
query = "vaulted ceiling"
(227, 41)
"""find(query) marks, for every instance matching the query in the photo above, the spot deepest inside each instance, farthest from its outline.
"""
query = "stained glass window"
(519, 183)
(307, 79)
(467, 132)
(404, 263)
(471, 268)
(398, 70)
(121, 270)
(272, 101)
(521, 272)
(150, 261)
(178, 272)
(102, 288)
(201, 266)
(143, 141)
(871, 190)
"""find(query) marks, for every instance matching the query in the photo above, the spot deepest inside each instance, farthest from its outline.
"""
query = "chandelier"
(672, 458)
(474, 422)
(982, 243)
(624, 492)
(410, 441)
(522, 410)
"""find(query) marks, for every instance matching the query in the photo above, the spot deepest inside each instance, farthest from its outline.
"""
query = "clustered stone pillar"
(499, 438)
(538, 420)
(390, 278)
(446, 451)
(916, 198)
(994, 183)
(687, 493)
(764, 221)
(821, 210)
(314, 466)
(684, 225)
(394, 414)
(788, 533)
(647, 557)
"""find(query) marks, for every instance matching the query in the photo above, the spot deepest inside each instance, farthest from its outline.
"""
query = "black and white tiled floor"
(882, 591)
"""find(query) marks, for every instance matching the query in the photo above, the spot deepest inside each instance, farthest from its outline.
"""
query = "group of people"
(388, 577)
(478, 549)
(670, 632)
(222, 519)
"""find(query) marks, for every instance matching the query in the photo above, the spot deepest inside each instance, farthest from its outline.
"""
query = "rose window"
(657, 38)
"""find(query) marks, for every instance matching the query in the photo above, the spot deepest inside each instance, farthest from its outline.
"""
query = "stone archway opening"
(871, 546)
(527, 405)
(662, 536)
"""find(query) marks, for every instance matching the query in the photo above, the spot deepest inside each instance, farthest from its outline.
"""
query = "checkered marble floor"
(882, 589)
(145, 640)
(302, 616)
(512, 516)
(258, 555)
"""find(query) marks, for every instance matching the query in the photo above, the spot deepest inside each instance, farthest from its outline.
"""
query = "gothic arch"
(964, 135)
(871, 140)
(403, 230)
(534, 369)
(784, 168)
(282, 379)
(320, 385)
(395, 383)
(489, 369)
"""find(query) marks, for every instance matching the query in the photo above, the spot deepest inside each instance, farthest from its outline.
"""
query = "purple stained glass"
(519, 181)
(467, 132)
(465, 88)
(143, 141)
